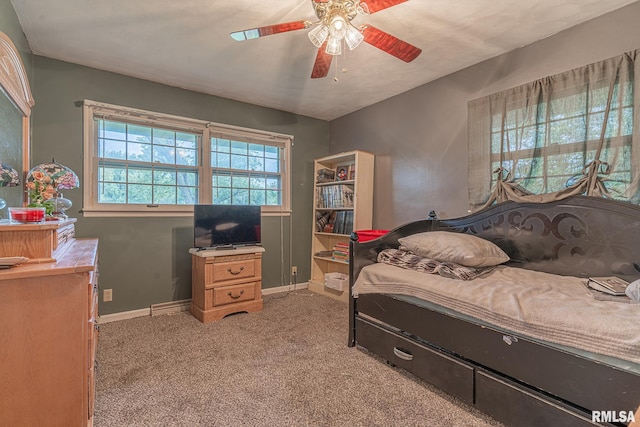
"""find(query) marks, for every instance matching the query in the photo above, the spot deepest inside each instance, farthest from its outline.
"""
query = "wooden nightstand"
(226, 281)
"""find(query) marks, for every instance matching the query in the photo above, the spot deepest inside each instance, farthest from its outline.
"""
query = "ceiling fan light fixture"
(334, 46)
(318, 35)
(353, 37)
(338, 27)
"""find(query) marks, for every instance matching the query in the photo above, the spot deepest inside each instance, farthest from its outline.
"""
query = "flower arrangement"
(41, 191)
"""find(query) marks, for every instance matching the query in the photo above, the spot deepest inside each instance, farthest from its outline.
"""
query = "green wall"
(145, 260)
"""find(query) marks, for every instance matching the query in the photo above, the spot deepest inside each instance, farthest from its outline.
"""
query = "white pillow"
(447, 246)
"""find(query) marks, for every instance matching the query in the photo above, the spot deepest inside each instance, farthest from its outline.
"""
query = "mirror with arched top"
(15, 111)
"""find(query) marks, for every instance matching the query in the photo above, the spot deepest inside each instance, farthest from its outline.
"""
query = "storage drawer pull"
(235, 296)
(235, 273)
(402, 353)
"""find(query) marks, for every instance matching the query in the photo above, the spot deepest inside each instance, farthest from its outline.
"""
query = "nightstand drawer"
(233, 294)
(234, 270)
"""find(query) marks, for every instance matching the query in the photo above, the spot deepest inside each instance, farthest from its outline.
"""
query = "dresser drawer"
(65, 233)
(234, 270)
(232, 294)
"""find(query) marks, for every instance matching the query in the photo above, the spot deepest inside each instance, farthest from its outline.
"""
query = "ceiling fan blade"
(390, 44)
(268, 30)
(377, 5)
(322, 64)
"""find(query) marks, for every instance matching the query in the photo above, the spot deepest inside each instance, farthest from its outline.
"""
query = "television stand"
(225, 283)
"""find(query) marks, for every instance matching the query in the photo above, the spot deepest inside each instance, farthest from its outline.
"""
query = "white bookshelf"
(349, 200)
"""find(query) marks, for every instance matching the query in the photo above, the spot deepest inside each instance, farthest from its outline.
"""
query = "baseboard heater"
(170, 307)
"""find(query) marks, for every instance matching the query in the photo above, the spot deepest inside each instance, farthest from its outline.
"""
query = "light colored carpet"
(288, 365)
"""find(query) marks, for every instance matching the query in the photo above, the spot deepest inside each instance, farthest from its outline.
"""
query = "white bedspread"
(544, 306)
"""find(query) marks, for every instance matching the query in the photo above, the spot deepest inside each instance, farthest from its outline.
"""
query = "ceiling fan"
(334, 29)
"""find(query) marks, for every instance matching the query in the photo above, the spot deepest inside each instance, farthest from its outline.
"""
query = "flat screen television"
(216, 226)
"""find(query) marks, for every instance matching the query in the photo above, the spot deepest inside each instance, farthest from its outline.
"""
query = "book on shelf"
(611, 285)
(334, 196)
(343, 222)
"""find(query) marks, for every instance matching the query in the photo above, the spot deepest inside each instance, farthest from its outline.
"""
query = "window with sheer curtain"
(571, 133)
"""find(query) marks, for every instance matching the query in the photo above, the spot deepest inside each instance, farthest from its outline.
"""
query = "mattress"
(542, 306)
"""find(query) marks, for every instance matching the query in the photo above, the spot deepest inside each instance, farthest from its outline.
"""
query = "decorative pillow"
(446, 246)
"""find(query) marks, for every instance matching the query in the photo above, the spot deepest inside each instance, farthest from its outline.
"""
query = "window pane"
(186, 140)
(164, 154)
(112, 130)
(258, 198)
(258, 182)
(222, 146)
(187, 196)
(112, 174)
(142, 176)
(186, 157)
(112, 193)
(164, 177)
(238, 147)
(223, 161)
(240, 181)
(240, 197)
(188, 178)
(256, 150)
(163, 137)
(139, 152)
(110, 149)
(222, 196)
(271, 151)
(273, 198)
(256, 163)
(137, 133)
(164, 194)
(140, 194)
(238, 162)
(271, 165)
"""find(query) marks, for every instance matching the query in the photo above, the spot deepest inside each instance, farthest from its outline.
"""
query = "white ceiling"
(186, 43)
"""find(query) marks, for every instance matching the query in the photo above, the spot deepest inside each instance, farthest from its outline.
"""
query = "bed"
(525, 341)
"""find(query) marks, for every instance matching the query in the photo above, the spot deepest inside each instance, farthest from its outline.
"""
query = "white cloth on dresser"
(544, 306)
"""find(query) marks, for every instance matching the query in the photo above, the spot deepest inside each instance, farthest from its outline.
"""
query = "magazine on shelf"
(610, 285)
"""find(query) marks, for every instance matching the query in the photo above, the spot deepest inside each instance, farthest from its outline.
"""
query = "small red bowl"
(26, 214)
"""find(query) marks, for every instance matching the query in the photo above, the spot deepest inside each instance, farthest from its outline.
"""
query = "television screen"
(225, 225)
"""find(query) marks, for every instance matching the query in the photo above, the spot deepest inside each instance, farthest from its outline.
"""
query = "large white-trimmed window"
(141, 163)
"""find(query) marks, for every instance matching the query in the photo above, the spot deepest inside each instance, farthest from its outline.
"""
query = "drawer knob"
(402, 353)
(235, 273)
(235, 296)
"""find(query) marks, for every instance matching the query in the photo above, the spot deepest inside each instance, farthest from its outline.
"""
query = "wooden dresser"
(40, 242)
(48, 333)
(226, 281)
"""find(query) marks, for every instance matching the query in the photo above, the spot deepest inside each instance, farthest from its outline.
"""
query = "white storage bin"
(336, 281)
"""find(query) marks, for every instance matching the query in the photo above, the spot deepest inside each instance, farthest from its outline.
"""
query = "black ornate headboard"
(579, 236)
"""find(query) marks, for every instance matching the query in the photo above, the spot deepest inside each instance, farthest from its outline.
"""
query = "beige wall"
(420, 137)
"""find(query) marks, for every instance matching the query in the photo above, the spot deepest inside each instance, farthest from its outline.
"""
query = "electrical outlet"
(294, 270)
(107, 295)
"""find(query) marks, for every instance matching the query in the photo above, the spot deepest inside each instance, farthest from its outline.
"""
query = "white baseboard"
(124, 315)
(183, 305)
(170, 307)
(286, 288)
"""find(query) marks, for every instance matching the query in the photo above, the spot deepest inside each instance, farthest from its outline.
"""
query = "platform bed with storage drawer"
(525, 341)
